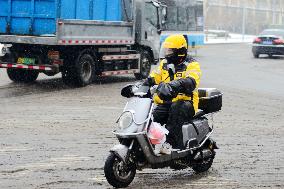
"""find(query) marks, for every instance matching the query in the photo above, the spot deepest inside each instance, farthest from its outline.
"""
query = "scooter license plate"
(27, 61)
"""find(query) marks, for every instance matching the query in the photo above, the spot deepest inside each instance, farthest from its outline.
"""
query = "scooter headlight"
(125, 120)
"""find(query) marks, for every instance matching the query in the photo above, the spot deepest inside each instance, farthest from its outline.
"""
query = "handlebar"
(139, 90)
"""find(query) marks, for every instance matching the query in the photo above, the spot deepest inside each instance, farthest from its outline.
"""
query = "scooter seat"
(198, 115)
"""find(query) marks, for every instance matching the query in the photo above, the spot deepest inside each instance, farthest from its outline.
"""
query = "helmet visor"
(166, 52)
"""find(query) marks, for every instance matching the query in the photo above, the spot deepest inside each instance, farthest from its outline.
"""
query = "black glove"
(186, 85)
(150, 81)
(165, 92)
(126, 91)
(168, 91)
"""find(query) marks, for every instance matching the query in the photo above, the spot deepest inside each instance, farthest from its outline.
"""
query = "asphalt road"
(53, 136)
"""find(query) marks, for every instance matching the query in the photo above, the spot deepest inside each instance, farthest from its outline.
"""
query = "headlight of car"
(125, 120)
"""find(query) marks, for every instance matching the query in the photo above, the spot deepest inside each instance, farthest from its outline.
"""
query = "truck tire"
(82, 74)
(145, 65)
(84, 70)
(25, 76)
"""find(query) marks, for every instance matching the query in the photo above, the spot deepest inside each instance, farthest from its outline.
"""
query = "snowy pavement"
(234, 38)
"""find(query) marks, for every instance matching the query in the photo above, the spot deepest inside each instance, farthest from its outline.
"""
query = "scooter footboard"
(151, 157)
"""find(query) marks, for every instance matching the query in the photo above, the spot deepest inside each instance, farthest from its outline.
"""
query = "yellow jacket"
(185, 70)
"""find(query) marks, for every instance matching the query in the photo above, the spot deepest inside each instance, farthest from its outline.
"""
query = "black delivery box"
(210, 100)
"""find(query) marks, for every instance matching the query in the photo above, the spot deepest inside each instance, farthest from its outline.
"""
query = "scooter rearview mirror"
(127, 91)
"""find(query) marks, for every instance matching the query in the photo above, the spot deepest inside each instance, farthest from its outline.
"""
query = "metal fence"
(244, 20)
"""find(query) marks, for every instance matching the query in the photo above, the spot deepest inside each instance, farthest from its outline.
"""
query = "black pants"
(174, 115)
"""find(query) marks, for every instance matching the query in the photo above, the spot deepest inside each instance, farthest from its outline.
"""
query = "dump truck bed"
(65, 22)
(80, 32)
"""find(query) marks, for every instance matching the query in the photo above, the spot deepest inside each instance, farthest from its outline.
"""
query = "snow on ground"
(234, 38)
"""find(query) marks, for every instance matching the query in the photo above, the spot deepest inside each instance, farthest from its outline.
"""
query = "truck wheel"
(83, 72)
(117, 173)
(145, 65)
(25, 76)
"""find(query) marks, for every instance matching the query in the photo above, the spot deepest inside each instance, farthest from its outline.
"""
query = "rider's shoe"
(166, 148)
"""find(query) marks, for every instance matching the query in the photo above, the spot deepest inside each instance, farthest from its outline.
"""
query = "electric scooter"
(135, 151)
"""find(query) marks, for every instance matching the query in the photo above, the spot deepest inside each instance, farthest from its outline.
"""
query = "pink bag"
(157, 133)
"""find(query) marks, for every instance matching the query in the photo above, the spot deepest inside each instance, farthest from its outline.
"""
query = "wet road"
(53, 136)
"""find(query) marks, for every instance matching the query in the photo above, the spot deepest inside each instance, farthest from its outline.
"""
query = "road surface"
(53, 136)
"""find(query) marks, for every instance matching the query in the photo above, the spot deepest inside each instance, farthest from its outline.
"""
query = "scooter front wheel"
(117, 173)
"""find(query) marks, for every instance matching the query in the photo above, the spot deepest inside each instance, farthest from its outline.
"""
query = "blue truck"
(81, 39)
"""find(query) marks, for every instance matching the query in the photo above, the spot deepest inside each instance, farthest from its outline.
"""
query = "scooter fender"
(121, 151)
(214, 144)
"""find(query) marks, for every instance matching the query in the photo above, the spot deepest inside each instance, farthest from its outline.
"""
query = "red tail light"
(278, 41)
(257, 40)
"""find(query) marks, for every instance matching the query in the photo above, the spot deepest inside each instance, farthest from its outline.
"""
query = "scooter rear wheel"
(203, 165)
(117, 173)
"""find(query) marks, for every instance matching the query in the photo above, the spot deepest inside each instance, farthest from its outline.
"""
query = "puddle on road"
(59, 161)
(85, 169)
(49, 164)
(98, 179)
(168, 178)
(213, 181)
(69, 158)
(69, 184)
